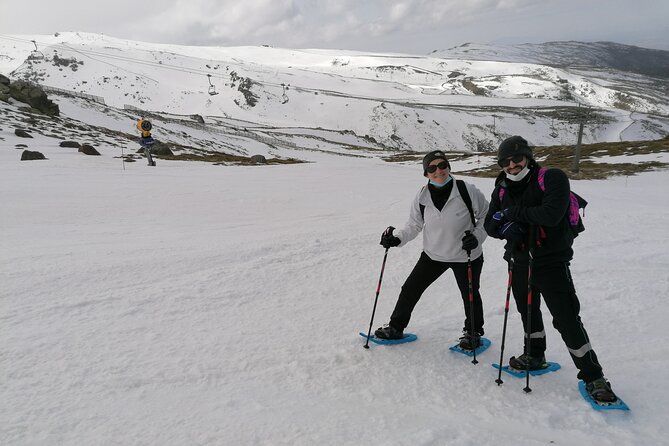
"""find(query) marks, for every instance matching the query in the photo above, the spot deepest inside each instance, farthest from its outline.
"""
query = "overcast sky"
(409, 26)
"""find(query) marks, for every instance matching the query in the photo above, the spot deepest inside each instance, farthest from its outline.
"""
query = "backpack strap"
(422, 206)
(540, 178)
(464, 193)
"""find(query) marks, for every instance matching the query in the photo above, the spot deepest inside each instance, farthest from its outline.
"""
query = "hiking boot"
(469, 341)
(527, 362)
(389, 332)
(600, 391)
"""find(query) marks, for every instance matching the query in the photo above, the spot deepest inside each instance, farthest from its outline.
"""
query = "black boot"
(389, 332)
(527, 362)
(470, 341)
(600, 391)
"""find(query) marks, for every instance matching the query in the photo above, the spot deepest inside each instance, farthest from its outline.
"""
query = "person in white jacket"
(450, 214)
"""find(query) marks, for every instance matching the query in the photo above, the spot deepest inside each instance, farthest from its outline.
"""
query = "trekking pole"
(376, 299)
(529, 316)
(471, 296)
(506, 318)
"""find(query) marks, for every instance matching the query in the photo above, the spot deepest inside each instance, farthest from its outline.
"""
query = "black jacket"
(543, 213)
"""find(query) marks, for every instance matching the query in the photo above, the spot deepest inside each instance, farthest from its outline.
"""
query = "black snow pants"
(424, 274)
(553, 282)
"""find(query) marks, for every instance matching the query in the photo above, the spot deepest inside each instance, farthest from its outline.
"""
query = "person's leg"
(462, 279)
(519, 287)
(423, 275)
(560, 297)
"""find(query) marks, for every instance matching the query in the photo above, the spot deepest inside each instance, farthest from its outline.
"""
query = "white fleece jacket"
(443, 230)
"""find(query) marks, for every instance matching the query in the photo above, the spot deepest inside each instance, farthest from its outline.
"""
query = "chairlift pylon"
(212, 89)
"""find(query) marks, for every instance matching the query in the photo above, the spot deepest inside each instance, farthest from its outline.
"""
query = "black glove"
(512, 231)
(388, 240)
(497, 220)
(469, 242)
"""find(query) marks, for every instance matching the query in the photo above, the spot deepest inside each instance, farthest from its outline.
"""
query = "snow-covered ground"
(192, 304)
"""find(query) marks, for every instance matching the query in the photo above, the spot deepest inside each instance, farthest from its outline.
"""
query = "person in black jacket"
(533, 220)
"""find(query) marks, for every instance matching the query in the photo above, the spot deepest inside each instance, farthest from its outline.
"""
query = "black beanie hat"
(434, 155)
(512, 146)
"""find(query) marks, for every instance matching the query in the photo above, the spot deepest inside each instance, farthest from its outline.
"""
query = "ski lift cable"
(88, 53)
(108, 63)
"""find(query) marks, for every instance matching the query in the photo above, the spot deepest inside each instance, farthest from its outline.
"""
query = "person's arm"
(553, 206)
(491, 224)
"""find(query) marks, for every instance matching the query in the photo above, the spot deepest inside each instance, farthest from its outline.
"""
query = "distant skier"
(534, 217)
(451, 228)
(146, 140)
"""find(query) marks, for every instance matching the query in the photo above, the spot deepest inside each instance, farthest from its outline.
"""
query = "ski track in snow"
(199, 304)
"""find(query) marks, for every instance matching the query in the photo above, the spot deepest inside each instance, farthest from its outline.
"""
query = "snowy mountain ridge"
(381, 101)
(602, 55)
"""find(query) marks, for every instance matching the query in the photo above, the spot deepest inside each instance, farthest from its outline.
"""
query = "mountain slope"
(607, 55)
(392, 101)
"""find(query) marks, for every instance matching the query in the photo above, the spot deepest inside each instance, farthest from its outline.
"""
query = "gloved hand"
(512, 231)
(499, 216)
(469, 242)
(497, 220)
(388, 240)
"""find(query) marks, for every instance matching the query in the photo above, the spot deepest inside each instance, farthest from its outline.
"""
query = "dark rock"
(161, 149)
(4, 92)
(259, 159)
(34, 96)
(28, 155)
(88, 149)
(22, 133)
(198, 118)
(72, 144)
(4, 80)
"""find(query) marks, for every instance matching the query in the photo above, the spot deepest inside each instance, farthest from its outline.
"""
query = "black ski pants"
(553, 282)
(424, 274)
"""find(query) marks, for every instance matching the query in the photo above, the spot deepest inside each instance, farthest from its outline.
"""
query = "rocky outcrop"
(34, 96)
(4, 88)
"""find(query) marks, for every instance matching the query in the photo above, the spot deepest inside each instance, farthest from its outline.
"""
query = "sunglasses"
(506, 161)
(432, 168)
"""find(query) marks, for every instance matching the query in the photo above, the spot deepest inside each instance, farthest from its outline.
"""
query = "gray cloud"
(415, 26)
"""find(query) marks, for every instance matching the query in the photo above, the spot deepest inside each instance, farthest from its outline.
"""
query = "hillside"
(273, 98)
(602, 55)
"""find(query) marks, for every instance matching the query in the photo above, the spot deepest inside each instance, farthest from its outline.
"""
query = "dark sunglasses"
(432, 168)
(506, 161)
